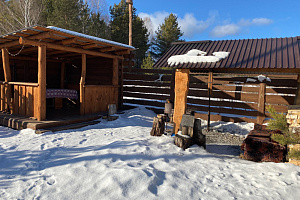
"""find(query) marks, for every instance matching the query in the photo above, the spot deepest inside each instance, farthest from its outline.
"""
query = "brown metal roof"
(246, 54)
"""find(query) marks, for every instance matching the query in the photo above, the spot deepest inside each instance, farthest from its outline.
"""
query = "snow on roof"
(197, 56)
(90, 37)
(260, 78)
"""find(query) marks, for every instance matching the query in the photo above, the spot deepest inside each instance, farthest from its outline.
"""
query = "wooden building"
(270, 56)
(41, 67)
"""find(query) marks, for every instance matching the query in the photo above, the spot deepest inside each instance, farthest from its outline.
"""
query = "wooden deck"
(20, 122)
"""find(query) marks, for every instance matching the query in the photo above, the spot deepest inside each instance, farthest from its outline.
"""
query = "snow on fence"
(235, 97)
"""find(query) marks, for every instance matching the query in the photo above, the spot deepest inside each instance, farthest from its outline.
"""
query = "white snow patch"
(261, 78)
(196, 56)
(120, 160)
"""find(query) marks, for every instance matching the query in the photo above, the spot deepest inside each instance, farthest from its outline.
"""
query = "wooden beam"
(123, 52)
(91, 46)
(6, 66)
(64, 48)
(40, 103)
(106, 49)
(37, 36)
(82, 83)
(181, 91)
(31, 58)
(261, 103)
(67, 41)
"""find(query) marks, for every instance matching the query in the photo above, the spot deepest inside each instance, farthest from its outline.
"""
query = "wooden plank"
(29, 101)
(151, 71)
(115, 76)
(68, 49)
(82, 83)
(146, 96)
(181, 92)
(146, 103)
(62, 75)
(261, 103)
(147, 90)
(276, 99)
(146, 83)
(224, 118)
(2, 97)
(22, 100)
(223, 110)
(146, 77)
(16, 99)
(41, 94)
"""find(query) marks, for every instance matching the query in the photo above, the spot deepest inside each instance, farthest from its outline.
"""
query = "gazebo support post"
(7, 77)
(82, 83)
(181, 92)
(297, 98)
(40, 113)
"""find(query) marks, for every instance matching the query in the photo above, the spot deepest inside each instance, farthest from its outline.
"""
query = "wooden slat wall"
(141, 86)
(231, 99)
(97, 98)
(233, 96)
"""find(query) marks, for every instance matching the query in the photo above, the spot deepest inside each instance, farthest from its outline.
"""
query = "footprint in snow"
(82, 141)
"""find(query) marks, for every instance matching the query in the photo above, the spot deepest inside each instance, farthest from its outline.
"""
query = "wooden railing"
(18, 97)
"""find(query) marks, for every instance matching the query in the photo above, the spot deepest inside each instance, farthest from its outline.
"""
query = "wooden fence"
(234, 97)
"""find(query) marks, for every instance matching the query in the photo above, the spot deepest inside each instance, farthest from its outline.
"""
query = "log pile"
(259, 147)
(158, 127)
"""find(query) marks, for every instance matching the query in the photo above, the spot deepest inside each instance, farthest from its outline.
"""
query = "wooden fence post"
(82, 83)
(172, 87)
(261, 103)
(210, 83)
(181, 91)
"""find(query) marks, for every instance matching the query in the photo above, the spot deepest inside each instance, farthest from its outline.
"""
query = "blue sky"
(219, 20)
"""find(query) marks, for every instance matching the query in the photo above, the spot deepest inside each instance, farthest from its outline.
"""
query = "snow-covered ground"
(120, 160)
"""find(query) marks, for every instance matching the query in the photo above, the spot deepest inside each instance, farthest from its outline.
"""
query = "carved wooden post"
(41, 91)
(82, 83)
(261, 103)
(181, 92)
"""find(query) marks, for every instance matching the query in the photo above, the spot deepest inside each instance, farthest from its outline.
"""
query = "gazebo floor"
(54, 121)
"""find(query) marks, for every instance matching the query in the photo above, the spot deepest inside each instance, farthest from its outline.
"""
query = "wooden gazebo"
(39, 58)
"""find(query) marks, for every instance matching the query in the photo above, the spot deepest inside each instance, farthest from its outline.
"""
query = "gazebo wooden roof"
(60, 43)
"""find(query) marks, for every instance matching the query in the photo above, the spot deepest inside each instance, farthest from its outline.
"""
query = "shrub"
(279, 122)
(294, 154)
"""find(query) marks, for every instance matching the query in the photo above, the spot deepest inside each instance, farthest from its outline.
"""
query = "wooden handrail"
(20, 83)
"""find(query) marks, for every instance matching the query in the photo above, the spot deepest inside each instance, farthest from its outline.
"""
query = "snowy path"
(120, 160)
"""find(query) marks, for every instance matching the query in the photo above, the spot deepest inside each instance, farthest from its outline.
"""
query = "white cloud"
(189, 25)
(229, 29)
(255, 22)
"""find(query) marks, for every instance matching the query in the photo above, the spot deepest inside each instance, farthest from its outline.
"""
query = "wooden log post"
(181, 92)
(115, 79)
(261, 103)
(7, 77)
(82, 83)
(41, 90)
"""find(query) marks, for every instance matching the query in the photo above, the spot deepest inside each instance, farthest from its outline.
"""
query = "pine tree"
(148, 62)
(120, 30)
(64, 14)
(166, 34)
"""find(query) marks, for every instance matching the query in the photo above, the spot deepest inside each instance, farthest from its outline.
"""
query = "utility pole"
(130, 2)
